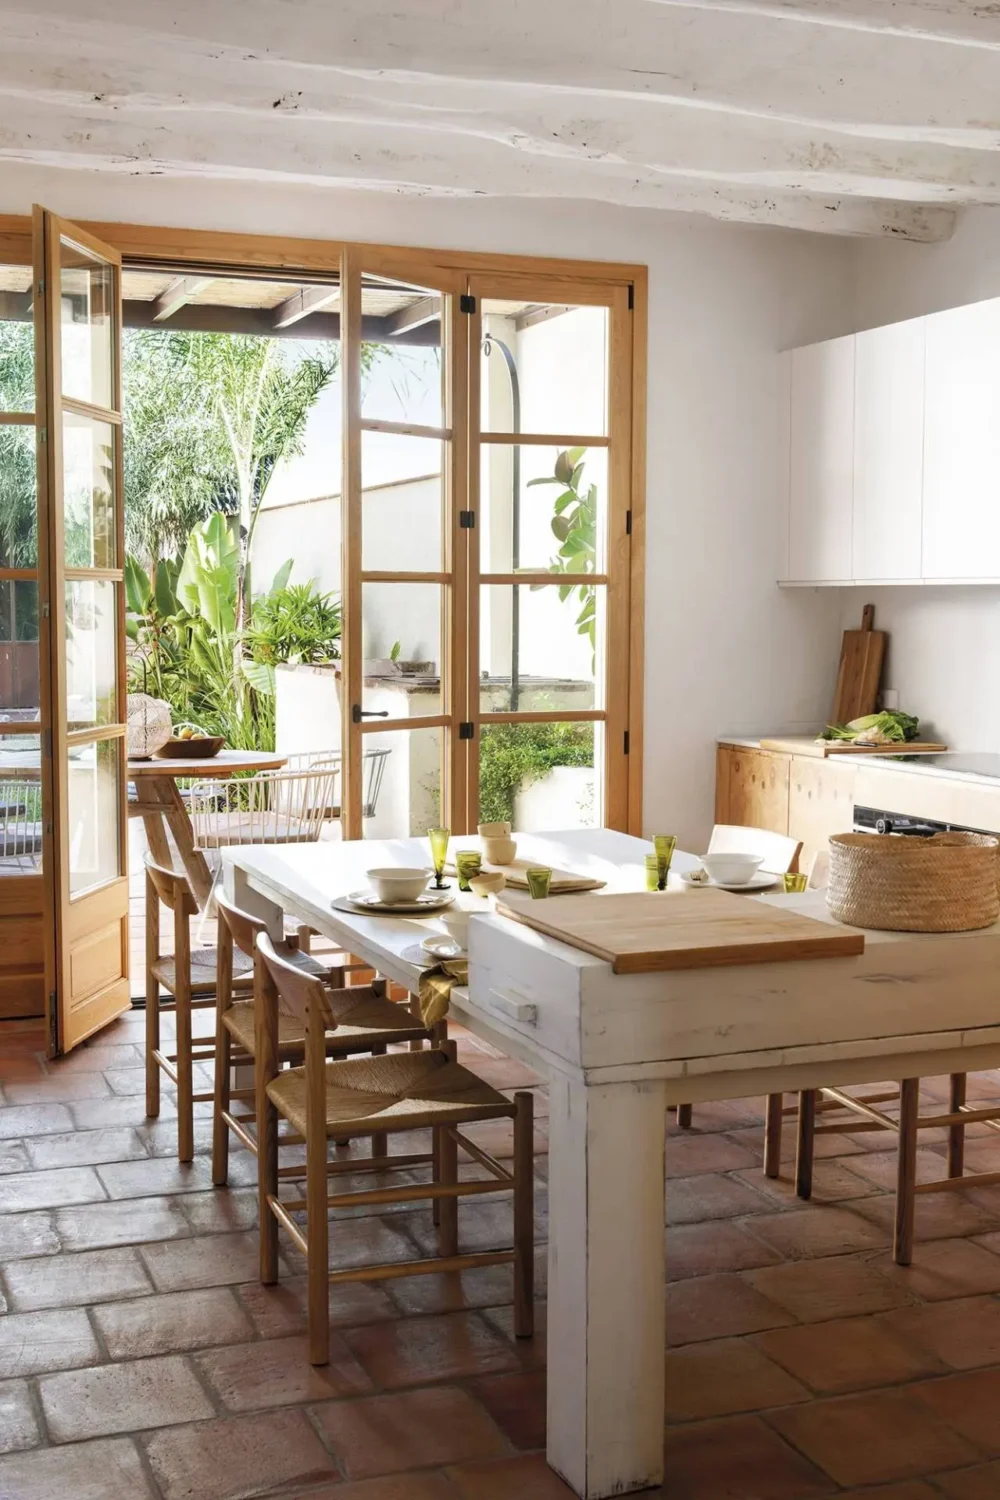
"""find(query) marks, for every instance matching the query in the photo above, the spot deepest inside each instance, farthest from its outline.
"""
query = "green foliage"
(18, 544)
(574, 526)
(294, 622)
(511, 755)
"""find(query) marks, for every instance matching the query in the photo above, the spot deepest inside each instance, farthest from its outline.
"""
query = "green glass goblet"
(439, 838)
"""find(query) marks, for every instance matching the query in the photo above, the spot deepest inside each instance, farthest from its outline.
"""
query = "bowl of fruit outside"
(189, 743)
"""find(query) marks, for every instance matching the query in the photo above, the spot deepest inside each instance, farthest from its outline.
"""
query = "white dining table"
(617, 1051)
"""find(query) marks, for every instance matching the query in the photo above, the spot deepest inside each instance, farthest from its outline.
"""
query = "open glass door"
(81, 535)
(404, 686)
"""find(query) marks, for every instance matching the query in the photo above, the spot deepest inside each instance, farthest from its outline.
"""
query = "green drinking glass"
(795, 884)
(439, 839)
(664, 844)
(467, 862)
(655, 879)
(539, 879)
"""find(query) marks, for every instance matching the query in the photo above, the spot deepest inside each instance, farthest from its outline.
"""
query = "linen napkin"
(436, 986)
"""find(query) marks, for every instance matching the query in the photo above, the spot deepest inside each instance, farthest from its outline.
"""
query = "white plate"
(427, 901)
(759, 882)
(445, 947)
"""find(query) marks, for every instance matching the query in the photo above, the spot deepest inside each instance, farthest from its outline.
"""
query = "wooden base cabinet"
(752, 788)
(800, 795)
(820, 803)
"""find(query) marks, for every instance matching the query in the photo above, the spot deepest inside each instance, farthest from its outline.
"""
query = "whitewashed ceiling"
(876, 117)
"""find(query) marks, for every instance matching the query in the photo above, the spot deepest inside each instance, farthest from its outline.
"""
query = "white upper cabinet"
(888, 452)
(961, 511)
(821, 462)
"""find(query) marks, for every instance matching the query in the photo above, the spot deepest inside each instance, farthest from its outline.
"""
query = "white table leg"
(606, 1285)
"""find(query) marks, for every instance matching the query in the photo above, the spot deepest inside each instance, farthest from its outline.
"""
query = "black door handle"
(358, 713)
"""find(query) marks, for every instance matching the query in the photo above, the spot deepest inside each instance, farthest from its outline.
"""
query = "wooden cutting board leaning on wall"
(861, 656)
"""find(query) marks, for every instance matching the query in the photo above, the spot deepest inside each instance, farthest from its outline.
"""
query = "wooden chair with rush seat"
(373, 1097)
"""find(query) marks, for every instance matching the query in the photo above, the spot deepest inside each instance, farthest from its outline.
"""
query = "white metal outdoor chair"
(20, 825)
(273, 807)
(373, 771)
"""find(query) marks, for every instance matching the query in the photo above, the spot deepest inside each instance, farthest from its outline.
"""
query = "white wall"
(944, 643)
(725, 650)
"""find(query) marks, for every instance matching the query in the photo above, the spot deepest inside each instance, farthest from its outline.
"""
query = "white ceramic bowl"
(456, 924)
(399, 883)
(732, 869)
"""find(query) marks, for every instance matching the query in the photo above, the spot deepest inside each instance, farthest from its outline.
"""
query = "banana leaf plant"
(574, 526)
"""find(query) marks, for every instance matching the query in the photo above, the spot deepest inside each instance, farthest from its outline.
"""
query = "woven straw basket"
(946, 883)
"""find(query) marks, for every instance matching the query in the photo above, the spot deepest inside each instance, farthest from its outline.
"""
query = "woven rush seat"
(361, 1023)
(400, 1091)
(203, 972)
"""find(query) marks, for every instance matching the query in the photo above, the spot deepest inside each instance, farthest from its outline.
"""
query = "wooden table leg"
(152, 821)
(606, 1303)
(179, 822)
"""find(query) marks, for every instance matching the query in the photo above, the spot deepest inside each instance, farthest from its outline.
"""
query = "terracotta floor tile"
(18, 1423)
(172, 1323)
(689, 1155)
(724, 1377)
(527, 1477)
(805, 1233)
(417, 1350)
(699, 1249)
(363, 1242)
(391, 1487)
(279, 1310)
(980, 1483)
(409, 1430)
(881, 1167)
(739, 1458)
(840, 1287)
(108, 1470)
(124, 1397)
(129, 1221)
(71, 1280)
(30, 1120)
(96, 1114)
(28, 1190)
(504, 1072)
(834, 1144)
(484, 1286)
(277, 1372)
(13, 1157)
(151, 1177)
(529, 1352)
(719, 1114)
(221, 1211)
(98, 1055)
(969, 1403)
(910, 1489)
(86, 1147)
(517, 1405)
(964, 1333)
(133, 1080)
(692, 1200)
(872, 1438)
(217, 1260)
(26, 1235)
(945, 1268)
(940, 1216)
(482, 1225)
(236, 1457)
(712, 1307)
(33, 1342)
(833, 1182)
(57, 1088)
(848, 1355)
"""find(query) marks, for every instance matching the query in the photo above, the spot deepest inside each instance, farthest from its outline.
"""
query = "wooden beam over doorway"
(307, 300)
(178, 294)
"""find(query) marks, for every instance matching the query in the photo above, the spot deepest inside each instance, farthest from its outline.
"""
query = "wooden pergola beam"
(206, 317)
(416, 315)
(307, 300)
(177, 294)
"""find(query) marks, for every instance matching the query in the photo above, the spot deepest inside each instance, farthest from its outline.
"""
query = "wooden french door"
(77, 312)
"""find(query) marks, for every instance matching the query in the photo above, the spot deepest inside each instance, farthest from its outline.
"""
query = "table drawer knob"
(514, 1007)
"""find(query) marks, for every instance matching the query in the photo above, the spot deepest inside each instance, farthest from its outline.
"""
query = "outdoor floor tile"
(847, 1355)
(739, 1458)
(872, 1438)
(528, 1477)
(124, 1222)
(124, 1397)
(724, 1306)
(277, 1372)
(34, 1342)
(808, 1232)
(408, 1430)
(969, 1403)
(29, 1190)
(945, 1268)
(416, 1350)
(72, 1280)
(723, 1377)
(86, 1147)
(698, 1249)
(964, 1334)
(517, 1405)
(26, 1235)
(840, 1287)
(236, 1457)
(172, 1323)
(107, 1470)
(18, 1423)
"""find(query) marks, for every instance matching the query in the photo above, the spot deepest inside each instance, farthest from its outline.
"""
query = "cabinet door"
(961, 516)
(888, 451)
(820, 802)
(821, 462)
(758, 790)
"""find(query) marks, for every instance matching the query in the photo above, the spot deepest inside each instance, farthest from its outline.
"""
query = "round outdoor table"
(161, 807)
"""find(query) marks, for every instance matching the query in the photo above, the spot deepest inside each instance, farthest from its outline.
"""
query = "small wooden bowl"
(199, 747)
(489, 883)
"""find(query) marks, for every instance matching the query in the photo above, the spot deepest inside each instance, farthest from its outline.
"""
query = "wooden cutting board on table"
(861, 655)
(648, 932)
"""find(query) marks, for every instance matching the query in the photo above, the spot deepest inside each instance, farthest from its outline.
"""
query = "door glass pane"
(539, 651)
(402, 503)
(402, 366)
(88, 483)
(17, 340)
(541, 777)
(94, 807)
(91, 656)
(544, 368)
(19, 686)
(543, 508)
(403, 774)
(87, 331)
(401, 635)
(20, 804)
(18, 498)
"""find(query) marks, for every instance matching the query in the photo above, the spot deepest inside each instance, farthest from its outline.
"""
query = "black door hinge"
(466, 303)
(467, 519)
(631, 297)
(626, 742)
(466, 730)
(628, 523)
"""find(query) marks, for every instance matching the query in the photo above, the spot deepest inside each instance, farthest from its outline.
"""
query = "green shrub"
(512, 754)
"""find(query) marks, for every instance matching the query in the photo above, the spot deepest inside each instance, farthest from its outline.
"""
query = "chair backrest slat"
(297, 989)
(172, 887)
(242, 926)
(778, 852)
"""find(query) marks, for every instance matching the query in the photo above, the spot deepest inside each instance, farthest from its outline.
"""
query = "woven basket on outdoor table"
(945, 883)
